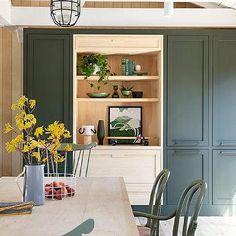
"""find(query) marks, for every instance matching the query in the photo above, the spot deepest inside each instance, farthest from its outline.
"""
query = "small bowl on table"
(137, 94)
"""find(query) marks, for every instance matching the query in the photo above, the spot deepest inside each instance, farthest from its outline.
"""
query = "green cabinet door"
(224, 177)
(48, 76)
(187, 91)
(224, 91)
(185, 167)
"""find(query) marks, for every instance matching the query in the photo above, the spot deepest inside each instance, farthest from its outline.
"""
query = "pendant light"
(65, 13)
(169, 8)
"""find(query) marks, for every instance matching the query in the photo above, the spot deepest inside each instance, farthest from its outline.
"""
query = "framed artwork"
(125, 121)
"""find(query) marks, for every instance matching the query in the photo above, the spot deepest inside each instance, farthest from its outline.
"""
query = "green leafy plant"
(95, 63)
(126, 88)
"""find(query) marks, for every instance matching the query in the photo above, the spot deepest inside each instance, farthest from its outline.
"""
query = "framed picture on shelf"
(124, 124)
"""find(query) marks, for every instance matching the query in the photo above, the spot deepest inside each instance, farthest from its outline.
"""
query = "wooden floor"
(207, 226)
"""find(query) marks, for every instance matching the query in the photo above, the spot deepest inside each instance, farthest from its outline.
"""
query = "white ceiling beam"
(38, 16)
(5, 12)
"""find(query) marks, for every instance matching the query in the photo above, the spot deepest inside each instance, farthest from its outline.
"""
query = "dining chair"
(84, 228)
(188, 206)
(155, 201)
(80, 159)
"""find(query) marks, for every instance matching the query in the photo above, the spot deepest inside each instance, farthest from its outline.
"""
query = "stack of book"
(15, 208)
(127, 67)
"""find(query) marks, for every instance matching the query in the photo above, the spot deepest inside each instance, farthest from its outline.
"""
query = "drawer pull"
(187, 152)
(227, 143)
(186, 142)
(222, 153)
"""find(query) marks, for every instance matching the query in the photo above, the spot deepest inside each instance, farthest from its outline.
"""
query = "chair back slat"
(80, 164)
(155, 199)
(190, 204)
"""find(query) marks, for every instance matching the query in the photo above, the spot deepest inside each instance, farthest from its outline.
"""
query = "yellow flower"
(26, 148)
(18, 139)
(21, 102)
(38, 131)
(67, 134)
(33, 144)
(37, 156)
(8, 128)
(29, 121)
(20, 120)
(32, 103)
(10, 147)
(54, 147)
(58, 158)
(14, 143)
(41, 143)
(56, 130)
(68, 148)
(14, 106)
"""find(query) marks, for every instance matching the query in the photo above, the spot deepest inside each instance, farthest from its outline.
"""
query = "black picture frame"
(139, 130)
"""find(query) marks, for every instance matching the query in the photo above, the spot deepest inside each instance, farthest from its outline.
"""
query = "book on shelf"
(127, 67)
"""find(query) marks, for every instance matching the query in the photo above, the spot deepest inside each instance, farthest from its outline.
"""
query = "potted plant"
(37, 146)
(95, 64)
(126, 91)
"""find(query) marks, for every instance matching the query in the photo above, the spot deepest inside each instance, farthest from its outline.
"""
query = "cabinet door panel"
(185, 167)
(187, 102)
(224, 95)
(224, 177)
(47, 77)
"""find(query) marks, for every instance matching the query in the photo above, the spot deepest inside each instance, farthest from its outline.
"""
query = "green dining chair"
(155, 201)
(84, 228)
(188, 206)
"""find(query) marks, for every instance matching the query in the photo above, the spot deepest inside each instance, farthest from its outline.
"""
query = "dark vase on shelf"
(100, 132)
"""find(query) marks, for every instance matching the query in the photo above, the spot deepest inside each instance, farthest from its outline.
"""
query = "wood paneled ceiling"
(138, 4)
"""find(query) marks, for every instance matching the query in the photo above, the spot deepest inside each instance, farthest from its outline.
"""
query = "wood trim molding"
(11, 89)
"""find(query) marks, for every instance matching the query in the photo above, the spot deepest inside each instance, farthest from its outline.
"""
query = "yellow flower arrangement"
(34, 142)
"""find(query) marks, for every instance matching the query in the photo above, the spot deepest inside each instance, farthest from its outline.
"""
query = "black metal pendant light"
(65, 13)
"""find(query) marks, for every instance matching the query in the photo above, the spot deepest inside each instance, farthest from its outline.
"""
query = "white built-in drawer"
(135, 166)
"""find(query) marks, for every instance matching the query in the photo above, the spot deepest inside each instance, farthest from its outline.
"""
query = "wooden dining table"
(103, 199)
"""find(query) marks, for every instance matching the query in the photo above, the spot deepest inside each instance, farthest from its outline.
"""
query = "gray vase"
(100, 132)
(33, 188)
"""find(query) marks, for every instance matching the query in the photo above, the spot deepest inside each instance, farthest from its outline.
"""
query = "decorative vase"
(115, 93)
(33, 185)
(100, 132)
(87, 131)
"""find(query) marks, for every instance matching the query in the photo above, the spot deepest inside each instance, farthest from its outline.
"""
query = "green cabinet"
(48, 76)
(224, 91)
(224, 177)
(187, 91)
(185, 166)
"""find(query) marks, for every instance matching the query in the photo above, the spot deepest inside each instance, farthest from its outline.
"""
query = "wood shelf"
(123, 78)
(118, 100)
